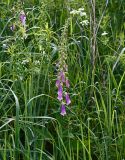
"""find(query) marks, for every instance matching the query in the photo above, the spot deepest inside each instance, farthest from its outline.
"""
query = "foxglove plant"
(62, 82)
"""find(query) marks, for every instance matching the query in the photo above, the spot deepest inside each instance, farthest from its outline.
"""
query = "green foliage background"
(31, 127)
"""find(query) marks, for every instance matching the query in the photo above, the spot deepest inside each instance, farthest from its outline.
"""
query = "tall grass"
(31, 127)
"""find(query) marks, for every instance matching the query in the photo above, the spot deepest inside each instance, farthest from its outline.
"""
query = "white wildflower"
(82, 14)
(84, 22)
(73, 12)
(78, 12)
(104, 33)
(81, 9)
(25, 61)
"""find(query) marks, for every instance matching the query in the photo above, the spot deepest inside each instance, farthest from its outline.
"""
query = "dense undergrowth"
(86, 39)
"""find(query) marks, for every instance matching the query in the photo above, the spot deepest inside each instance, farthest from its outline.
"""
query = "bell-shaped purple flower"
(60, 93)
(62, 76)
(67, 83)
(63, 110)
(23, 18)
(68, 101)
(57, 83)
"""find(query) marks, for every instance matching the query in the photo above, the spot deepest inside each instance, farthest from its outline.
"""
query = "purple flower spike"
(23, 18)
(68, 101)
(57, 83)
(62, 76)
(60, 93)
(67, 83)
(63, 110)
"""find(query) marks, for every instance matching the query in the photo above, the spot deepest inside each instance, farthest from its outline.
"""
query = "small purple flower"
(67, 83)
(62, 76)
(68, 101)
(60, 93)
(12, 28)
(60, 97)
(57, 83)
(63, 110)
(23, 18)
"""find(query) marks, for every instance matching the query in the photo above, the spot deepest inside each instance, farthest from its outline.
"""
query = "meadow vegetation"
(62, 91)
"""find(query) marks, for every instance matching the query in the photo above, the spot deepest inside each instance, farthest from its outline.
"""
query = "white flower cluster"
(85, 22)
(82, 15)
(79, 12)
